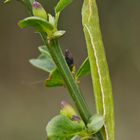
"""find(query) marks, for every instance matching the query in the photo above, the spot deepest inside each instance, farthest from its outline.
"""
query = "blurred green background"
(26, 105)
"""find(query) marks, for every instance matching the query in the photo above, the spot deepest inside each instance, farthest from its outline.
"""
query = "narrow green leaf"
(38, 23)
(62, 4)
(96, 123)
(54, 79)
(84, 69)
(99, 67)
(62, 128)
(44, 62)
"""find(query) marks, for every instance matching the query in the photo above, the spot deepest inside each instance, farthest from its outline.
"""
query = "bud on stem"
(67, 109)
(69, 59)
(39, 11)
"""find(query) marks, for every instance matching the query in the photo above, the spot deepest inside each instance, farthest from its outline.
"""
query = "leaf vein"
(100, 77)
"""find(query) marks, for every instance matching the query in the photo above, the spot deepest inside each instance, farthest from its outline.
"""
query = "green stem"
(56, 19)
(74, 90)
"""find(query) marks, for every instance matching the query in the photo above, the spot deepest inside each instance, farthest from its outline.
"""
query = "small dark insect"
(69, 59)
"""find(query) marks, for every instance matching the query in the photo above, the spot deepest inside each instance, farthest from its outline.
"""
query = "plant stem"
(74, 90)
